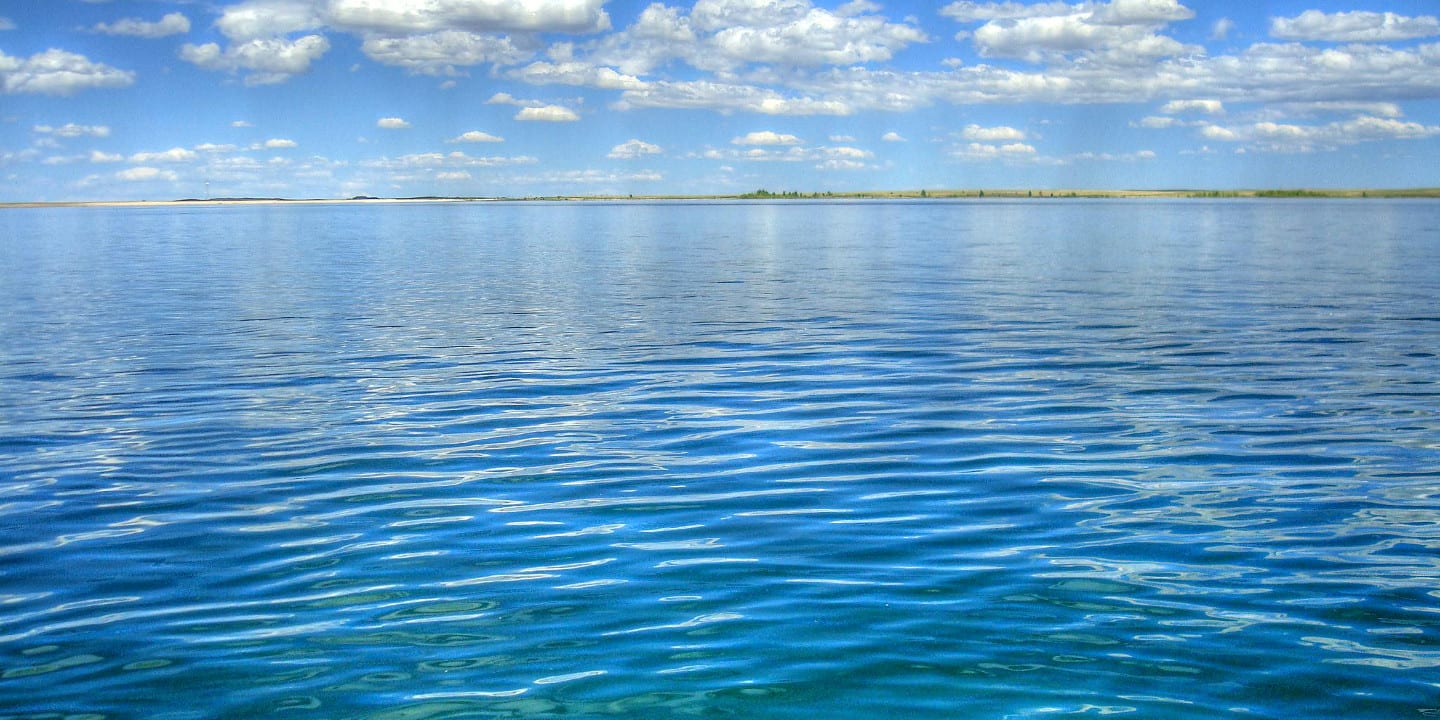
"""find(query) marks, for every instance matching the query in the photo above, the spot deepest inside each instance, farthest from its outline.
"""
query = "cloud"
(442, 53)
(1001, 133)
(71, 130)
(576, 73)
(6, 23)
(547, 113)
(411, 16)
(1117, 32)
(1358, 26)
(452, 160)
(392, 123)
(173, 155)
(475, 136)
(58, 72)
(893, 137)
(1292, 138)
(1222, 28)
(632, 149)
(278, 143)
(265, 61)
(242, 124)
(731, 34)
(452, 175)
(171, 24)
(765, 137)
(969, 12)
(103, 157)
(982, 151)
(145, 174)
(1207, 107)
(728, 97)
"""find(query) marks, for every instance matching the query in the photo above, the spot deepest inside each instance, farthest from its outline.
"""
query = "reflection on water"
(993, 459)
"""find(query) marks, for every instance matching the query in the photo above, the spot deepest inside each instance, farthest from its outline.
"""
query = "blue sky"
(157, 99)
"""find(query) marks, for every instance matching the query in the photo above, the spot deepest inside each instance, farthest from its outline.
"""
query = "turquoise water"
(966, 460)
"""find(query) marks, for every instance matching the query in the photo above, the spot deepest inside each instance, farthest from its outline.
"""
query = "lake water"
(1177, 459)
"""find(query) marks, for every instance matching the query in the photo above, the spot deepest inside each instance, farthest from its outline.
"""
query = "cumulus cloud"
(444, 52)
(452, 175)
(766, 137)
(1001, 133)
(58, 72)
(103, 157)
(146, 174)
(171, 24)
(392, 123)
(277, 144)
(1357, 26)
(1117, 32)
(71, 130)
(728, 96)
(725, 35)
(451, 160)
(547, 113)
(410, 16)
(173, 155)
(576, 73)
(1206, 107)
(893, 137)
(476, 136)
(632, 149)
(265, 61)
(1289, 137)
(983, 151)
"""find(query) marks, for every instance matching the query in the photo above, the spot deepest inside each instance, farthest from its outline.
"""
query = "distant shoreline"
(926, 194)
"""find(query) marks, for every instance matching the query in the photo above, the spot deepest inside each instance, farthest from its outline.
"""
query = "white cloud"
(725, 35)
(452, 160)
(266, 61)
(893, 137)
(58, 72)
(982, 151)
(969, 12)
(411, 16)
(632, 149)
(392, 123)
(452, 175)
(1000, 133)
(242, 124)
(766, 137)
(841, 138)
(173, 155)
(442, 53)
(1119, 32)
(547, 113)
(1288, 137)
(277, 143)
(171, 24)
(1206, 107)
(475, 136)
(1358, 26)
(71, 130)
(103, 157)
(728, 97)
(1222, 28)
(144, 174)
(576, 73)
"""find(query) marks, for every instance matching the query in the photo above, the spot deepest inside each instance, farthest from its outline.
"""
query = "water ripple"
(993, 460)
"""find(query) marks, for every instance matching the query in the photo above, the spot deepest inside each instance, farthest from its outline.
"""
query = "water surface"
(989, 459)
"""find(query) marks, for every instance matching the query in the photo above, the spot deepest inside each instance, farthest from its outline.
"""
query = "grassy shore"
(924, 194)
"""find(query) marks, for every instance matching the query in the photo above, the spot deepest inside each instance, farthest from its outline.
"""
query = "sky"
(165, 99)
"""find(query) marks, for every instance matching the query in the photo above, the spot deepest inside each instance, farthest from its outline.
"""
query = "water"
(974, 460)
